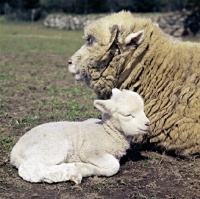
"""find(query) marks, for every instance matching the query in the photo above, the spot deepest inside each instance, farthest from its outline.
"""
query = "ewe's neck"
(145, 55)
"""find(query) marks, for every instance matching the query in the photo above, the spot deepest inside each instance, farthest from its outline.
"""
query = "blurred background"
(36, 9)
(187, 22)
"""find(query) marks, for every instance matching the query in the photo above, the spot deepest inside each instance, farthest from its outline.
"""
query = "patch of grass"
(75, 103)
(152, 196)
(55, 89)
(26, 121)
(21, 188)
(100, 187)
(77, 90)
(7, 142)
(8, 171)
(2, 111)
(72, 110)
(144, 162)
(125, 181)
(1, 90)
(31, 37)
(59, 76)
(156, 159)
(6, 77)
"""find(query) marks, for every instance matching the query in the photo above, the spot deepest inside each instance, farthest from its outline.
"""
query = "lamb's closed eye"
(128, 115)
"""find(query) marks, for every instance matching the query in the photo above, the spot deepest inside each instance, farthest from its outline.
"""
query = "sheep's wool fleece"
(163, 70)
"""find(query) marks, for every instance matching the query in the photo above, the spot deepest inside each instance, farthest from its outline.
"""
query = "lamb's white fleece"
(61, 151)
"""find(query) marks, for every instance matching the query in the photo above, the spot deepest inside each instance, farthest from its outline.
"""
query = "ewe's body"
(61, 151)
(135, 54)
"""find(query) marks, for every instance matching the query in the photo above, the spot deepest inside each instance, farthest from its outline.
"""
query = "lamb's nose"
(69, 61)
(147, 124)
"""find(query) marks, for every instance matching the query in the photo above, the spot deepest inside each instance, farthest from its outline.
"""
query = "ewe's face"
(83, 63)
(90, 62)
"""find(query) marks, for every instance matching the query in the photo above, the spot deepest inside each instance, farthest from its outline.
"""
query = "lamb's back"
(55, 140)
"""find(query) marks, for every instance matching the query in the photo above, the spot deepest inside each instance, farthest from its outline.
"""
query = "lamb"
(134, 53)
(61, 151)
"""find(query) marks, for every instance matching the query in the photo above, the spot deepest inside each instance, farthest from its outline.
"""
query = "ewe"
(133, 53)
(61, 151)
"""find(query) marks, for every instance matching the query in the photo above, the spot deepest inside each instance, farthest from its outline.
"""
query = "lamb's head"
(125, 110)
(111, 41)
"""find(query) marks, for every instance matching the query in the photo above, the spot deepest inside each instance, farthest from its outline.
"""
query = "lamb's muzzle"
(148, 124)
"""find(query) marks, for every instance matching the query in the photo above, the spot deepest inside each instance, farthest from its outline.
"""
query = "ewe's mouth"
(76, 74)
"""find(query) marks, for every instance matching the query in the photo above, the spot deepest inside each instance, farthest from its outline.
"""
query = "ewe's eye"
(89, 40)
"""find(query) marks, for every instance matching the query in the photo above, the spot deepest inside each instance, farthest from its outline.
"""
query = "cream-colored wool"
(61, 151)
(134, 53)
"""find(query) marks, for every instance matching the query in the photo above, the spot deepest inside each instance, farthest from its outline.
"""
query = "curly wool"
(163, 70)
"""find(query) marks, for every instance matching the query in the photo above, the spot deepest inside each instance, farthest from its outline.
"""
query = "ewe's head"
(126, 110)
(111, 41)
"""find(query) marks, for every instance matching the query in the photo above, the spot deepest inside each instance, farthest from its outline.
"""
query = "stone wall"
(171, 23)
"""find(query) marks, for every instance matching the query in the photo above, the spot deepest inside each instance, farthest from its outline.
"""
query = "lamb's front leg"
(107, 165)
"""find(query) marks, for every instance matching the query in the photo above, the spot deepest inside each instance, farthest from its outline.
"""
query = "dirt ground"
(144, 175)
(41, 90)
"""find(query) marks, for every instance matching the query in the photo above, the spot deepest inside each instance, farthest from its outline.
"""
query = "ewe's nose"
(148, 124)
(69, 61)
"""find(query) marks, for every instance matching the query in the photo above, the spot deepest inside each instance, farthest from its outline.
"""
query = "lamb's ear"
(113, 31)
(134, 38)
(105, 106)
(115, 93)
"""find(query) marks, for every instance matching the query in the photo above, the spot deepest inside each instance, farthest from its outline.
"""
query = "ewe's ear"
(113, 31)
(134, 38)
(105, 106)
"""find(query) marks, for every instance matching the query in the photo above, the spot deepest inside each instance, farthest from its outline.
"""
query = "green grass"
(6, 142)
(35, 85)
(23, 36)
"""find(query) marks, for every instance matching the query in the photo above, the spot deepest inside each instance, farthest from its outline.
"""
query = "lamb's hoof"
(76, 179)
